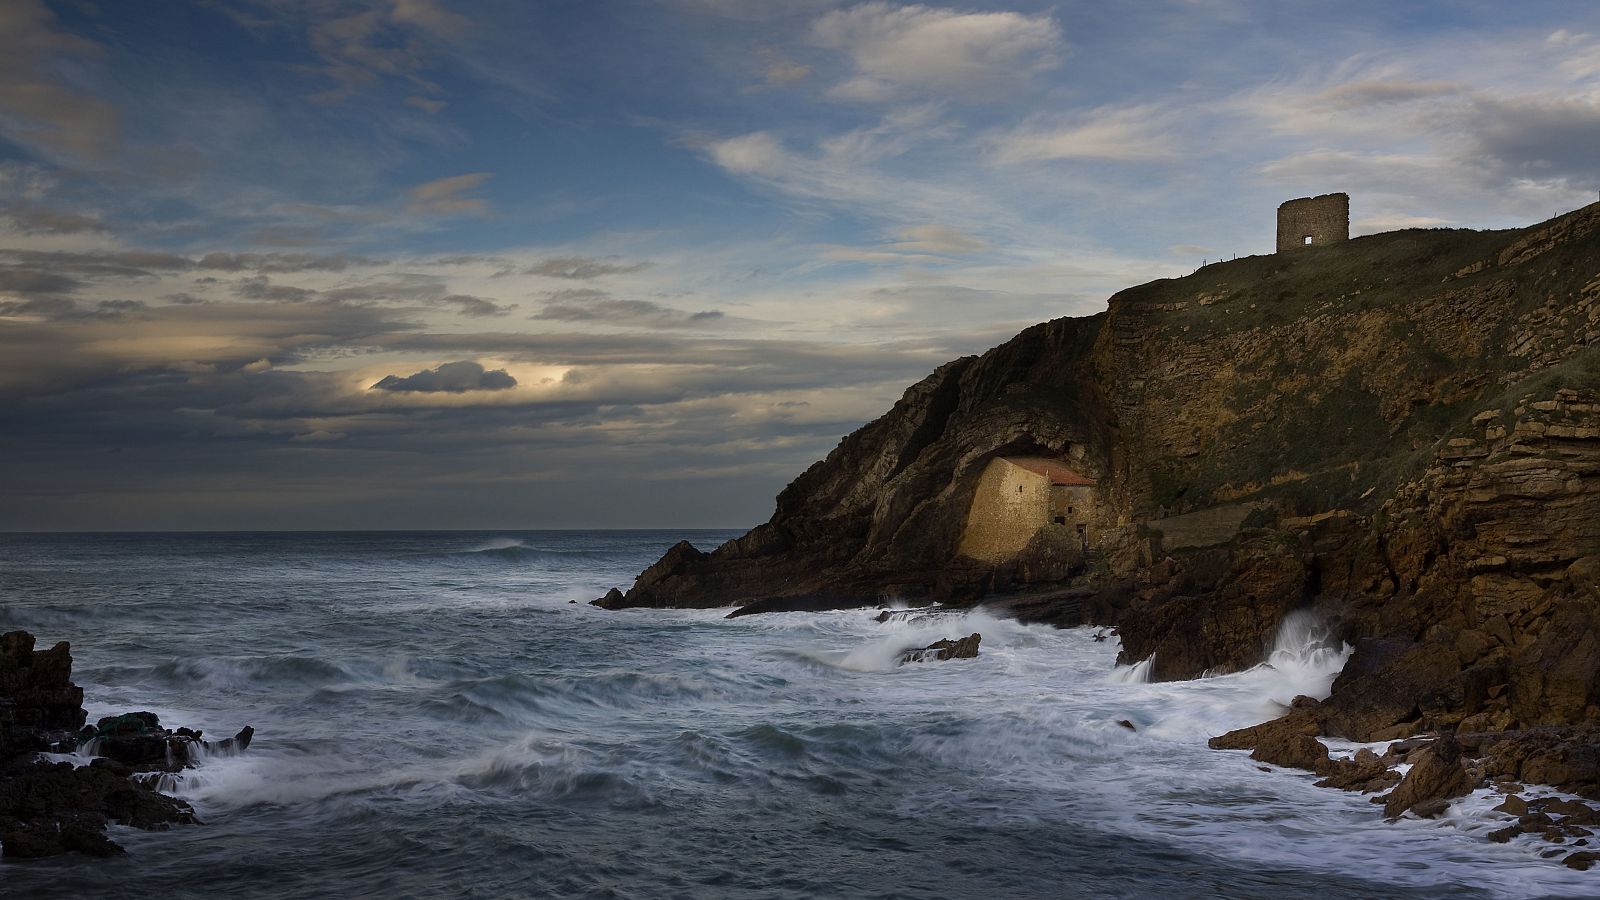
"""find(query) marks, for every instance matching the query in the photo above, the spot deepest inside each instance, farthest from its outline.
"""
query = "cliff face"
(1401, 431)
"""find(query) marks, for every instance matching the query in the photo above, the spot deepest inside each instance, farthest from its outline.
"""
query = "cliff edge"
(1400, 432)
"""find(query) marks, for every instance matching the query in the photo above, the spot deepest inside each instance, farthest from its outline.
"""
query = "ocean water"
(434, 718)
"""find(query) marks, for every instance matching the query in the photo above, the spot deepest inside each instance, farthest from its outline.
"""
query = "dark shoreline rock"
(52, 808)
(949, 648)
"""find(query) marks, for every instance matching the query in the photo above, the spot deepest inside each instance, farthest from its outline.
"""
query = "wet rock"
(1384, 689)
(1513, 806)
(1564, 757)
(1289, 741)
(40, 708)
(957, 648)
(1582, 860)
(1127, 724)
(1436, 774)
(1430, 809)
(48, 809)
(1365, 773)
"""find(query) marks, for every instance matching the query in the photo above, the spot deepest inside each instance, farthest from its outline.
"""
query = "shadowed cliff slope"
(1401, 431)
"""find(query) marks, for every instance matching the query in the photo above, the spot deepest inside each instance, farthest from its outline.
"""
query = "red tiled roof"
(1052, 469)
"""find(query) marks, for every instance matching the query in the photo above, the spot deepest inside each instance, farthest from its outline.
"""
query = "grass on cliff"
(1413, 345)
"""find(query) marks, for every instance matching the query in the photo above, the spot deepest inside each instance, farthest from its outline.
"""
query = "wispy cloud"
(912, 50)
(451, 196)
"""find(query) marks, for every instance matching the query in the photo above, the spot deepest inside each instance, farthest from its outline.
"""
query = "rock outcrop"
(949, 648)
(51, 808)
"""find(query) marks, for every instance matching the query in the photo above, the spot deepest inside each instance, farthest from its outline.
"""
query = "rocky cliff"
(1401, 432)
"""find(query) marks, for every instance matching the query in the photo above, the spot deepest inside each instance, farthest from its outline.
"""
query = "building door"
(1083, 536)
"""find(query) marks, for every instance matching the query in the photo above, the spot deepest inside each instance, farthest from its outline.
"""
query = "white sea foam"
(417, 699)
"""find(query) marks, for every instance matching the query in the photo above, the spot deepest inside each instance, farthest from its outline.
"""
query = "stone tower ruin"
(1314, 221)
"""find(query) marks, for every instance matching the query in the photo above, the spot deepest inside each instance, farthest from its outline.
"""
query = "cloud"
(17, 280)
(1139, 133)
(431, 107)
(449, 196)
(899, 51)
(778, 69)
(387, 40)
(41, 220)
(597, 307)
(933, 244)
(938, 239)
(36, 109)
(282, 262)
(474, 307)
(1539, 138)
(581, 268)
(454, 377)
(430, 16)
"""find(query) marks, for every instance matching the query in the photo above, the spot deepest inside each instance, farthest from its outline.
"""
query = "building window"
(1307, 239)
(1061, 520)
(1069, 509)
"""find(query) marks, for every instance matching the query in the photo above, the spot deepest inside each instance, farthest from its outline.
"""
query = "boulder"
(953, 648)
(1288, 741)
(1437, 775)
(1388, 686)
(1366, 773)
(47, 809)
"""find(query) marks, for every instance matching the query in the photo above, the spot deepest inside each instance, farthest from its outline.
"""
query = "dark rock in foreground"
(950, 648)
(52, 808)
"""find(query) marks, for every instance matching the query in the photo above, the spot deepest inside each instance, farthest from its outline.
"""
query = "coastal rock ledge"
(1398, 434)
(48, 808)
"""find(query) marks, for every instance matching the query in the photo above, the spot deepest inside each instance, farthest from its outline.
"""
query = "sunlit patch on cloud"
(1141, 133)
(898, 51)
(451, 196)
(453, 377)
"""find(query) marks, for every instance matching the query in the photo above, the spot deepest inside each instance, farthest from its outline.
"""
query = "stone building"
(1018, 496)
(1313, 221)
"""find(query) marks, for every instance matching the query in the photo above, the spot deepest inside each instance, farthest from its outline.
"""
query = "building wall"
(1074, 506)
(1010, 504)
(1324, 219)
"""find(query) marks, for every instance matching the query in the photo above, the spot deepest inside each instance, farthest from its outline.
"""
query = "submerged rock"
(956, 648)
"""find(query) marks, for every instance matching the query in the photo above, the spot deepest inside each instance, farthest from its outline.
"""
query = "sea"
(442, 714)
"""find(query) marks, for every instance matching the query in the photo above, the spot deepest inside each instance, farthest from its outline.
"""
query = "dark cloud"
(40, 220)
(625, 312)
(455, 377)
(474, 307)
(17, 280)
(260, 287)
(581, 268)
(277, 263)
(401, 287)
(120, 307)
(38, 307)
(106, 264)
(1540, 140)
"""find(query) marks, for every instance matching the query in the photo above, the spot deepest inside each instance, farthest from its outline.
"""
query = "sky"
(329, 264)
